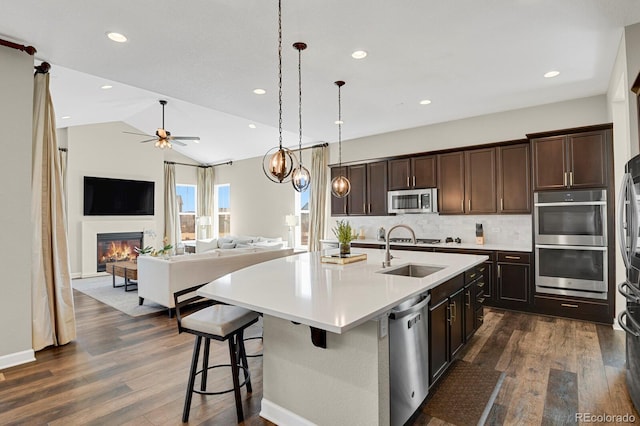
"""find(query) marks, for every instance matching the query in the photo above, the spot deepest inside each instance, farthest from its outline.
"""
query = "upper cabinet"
(514, 179)
(368, 194)
(412, 173)
(467, 182)
(573, 160)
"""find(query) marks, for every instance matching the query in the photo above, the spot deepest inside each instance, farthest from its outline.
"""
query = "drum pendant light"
(340, 185)
(278, 162)
(301, 178)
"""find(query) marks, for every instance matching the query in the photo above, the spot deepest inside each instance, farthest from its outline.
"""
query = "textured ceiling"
(469, 57)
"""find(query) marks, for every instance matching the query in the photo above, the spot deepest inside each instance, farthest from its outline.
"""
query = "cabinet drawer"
(514, 257)
(471, 275)
(572, 308)
(479, 317)
(446, 289)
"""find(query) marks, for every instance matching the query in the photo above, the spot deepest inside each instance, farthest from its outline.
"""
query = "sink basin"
(413, 270)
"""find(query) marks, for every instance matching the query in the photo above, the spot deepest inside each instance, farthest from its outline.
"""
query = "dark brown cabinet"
(338, 205)
(467, 182)
(438, 339)
(576, 160)
(451, 183)
(368, 195)
(513, 280)
(377, 188)
(413, 173)
(514, 179)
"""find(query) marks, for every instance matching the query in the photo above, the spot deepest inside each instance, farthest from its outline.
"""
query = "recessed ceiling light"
(117, 37)
(65, 117)
(425, 102)
(551, 74)
(259, 91)
(252, 126)
(106, 86)
(339, 122)
(359, 54)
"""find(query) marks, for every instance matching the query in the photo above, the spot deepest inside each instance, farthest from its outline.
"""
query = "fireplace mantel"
(91, 228)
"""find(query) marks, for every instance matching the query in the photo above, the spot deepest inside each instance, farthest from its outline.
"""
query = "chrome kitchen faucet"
(387, 255)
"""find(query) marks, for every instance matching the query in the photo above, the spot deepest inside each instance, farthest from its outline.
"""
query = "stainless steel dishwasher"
(409, 357)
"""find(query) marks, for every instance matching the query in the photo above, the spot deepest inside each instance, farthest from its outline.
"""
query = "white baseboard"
(17, 358)
(75, 275)
(281, 416)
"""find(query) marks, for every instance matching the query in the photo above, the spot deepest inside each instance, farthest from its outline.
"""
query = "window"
(186, 198)
(222, 208)
(302, 207)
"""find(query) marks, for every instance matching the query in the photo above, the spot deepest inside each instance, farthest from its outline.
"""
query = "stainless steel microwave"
(413, 201)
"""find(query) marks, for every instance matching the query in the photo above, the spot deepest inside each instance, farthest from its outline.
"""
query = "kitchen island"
(345, 308)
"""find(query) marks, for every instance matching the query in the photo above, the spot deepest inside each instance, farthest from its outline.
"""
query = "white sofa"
(159, 278)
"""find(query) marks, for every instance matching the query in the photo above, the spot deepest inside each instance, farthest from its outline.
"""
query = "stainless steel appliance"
(418, 240)
(408, 357)
(629, 319)
(413, 201)
(571, 243)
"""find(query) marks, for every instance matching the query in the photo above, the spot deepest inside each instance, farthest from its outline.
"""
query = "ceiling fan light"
(301, 178)
(340, 186)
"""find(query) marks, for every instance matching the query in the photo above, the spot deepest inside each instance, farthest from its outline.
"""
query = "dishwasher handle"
(415, 308)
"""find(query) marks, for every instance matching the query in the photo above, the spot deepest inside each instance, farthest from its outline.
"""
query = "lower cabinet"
(513, 280)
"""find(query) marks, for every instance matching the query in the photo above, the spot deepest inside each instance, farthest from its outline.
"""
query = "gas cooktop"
(418, 240)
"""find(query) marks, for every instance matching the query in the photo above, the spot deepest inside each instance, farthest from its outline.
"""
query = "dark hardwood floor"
(132, 371)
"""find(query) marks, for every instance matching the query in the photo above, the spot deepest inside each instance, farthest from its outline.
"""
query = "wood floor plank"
(593, 398)
(612, 346)
(561, 401)
(619, 396)
(491, 322)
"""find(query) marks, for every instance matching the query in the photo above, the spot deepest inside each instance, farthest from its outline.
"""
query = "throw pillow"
(226, 246)
(206, 245)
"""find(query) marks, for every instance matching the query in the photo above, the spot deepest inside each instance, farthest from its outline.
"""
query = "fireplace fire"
(117, 247)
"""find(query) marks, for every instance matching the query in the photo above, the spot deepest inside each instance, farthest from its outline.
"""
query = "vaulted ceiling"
(468, 57)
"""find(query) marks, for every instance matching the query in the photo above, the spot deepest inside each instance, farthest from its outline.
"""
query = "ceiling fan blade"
(186, 138)
(138, 134)
(175, 142)
(149, 140)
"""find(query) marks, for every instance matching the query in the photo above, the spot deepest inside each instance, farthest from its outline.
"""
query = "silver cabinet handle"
(408, 185)
(512, 257)
(469, 203)
(462, 206)
(501, 204)
(454, 312)
(569, 305)
(369, 207)
(570, 178)
(414, 181)
(565, 179)
(499, 268)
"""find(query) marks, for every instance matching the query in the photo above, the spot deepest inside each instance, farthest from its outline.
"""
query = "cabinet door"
(399, 174)
(451, 183)
(513, 284)
(514, 183)
(438, 339)
(338, 205)
(480, 181)
(377, 188)
(357, 198)
(424, 172)
(456, 315)
(587, 159)
(469, 310)
(549, 165)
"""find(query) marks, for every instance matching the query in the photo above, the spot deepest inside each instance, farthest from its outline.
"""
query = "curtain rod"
(320, 145)
(29, 49)
(200, 165)
(62, 149)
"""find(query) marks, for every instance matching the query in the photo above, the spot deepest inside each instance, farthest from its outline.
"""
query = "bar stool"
(212, 320)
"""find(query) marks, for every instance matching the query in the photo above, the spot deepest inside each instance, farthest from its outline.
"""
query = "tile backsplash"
(498, 229)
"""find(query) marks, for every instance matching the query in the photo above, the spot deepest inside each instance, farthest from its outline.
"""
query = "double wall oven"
(571, 243)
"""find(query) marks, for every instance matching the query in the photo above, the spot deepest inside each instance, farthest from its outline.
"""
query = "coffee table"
(127, 270)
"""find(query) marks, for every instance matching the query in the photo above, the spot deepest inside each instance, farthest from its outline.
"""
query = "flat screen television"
(117, 197)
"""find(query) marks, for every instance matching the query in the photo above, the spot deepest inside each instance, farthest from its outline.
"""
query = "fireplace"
(116, 247)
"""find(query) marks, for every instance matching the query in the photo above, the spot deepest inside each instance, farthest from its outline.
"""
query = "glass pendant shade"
(277, 164)
(340, 186)
(301, 178)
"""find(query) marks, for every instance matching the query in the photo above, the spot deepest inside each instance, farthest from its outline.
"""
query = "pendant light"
(301, 178)
(278, 162)
(340, 185)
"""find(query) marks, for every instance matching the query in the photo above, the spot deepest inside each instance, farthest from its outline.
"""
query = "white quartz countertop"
(443, 245)
(332, 297)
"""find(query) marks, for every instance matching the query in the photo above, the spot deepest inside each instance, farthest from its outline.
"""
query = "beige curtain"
(62, 153)
(318, 197)
(171, 214)
(205, 198)
(53, 316)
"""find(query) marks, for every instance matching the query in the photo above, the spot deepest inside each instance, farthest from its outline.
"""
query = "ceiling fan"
(163, 137)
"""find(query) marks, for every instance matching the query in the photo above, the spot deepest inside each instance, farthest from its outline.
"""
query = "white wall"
(632, 56)
(16, 87)
(102, 150)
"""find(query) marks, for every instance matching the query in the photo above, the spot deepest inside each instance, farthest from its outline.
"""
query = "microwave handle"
(622, 235)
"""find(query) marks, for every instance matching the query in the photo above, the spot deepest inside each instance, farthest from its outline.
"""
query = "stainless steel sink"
(413, 270)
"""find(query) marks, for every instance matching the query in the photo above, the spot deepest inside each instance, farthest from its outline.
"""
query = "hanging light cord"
(339, 127)
(300, 105)
(280, 72)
